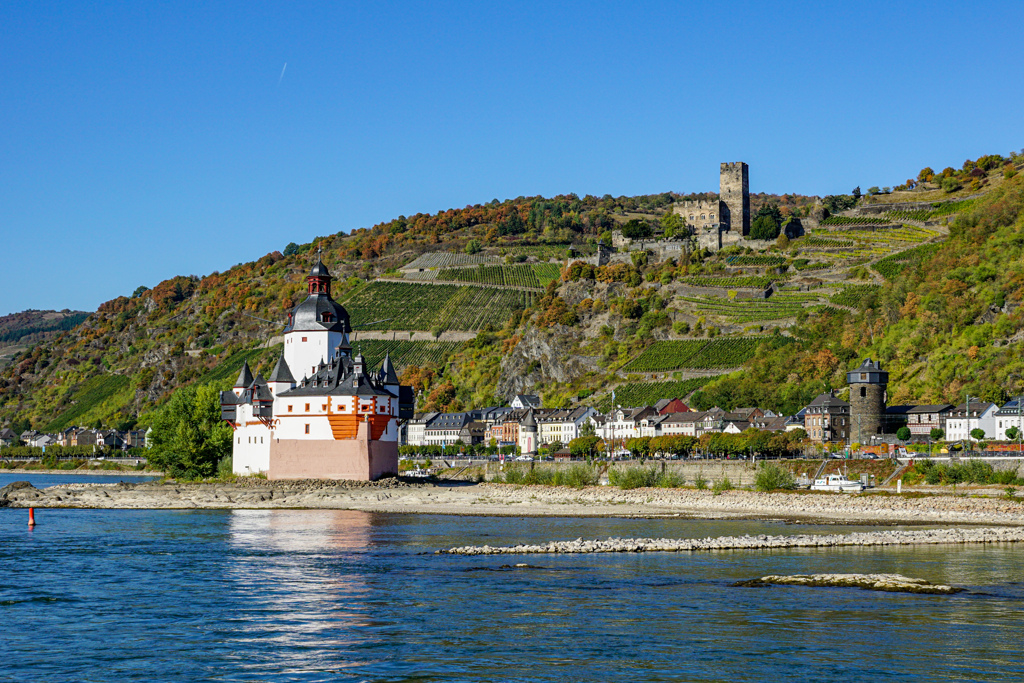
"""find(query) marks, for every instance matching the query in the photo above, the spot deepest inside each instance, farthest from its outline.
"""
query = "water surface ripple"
(304, 595)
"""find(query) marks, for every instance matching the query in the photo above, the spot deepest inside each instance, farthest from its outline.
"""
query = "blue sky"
(144, 140)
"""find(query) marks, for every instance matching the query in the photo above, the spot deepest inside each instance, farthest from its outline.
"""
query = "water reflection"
(302, 575)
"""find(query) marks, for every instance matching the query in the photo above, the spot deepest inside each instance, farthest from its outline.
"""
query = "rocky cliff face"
(543, 355)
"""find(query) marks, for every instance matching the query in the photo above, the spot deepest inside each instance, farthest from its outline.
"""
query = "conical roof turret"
(387, 371)
(529, 421)
(282, 373)
(244, 377)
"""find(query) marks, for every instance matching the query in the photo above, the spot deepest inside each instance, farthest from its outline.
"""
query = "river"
(314, 595)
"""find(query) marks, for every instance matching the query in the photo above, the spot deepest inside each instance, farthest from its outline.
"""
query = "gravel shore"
(393, 495)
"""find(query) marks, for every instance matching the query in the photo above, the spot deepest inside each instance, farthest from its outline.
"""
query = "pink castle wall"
(356, 459)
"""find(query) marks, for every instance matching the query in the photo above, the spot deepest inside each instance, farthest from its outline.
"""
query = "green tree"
(764, 228)
(903, 433)
(583, 446)
(1012, 433)
(473, 247)
(673, 224)
(977, 434)
(189, 437)
(937, 434)
(291, 249)
(636, 229)
(139, 291)
(766, 223)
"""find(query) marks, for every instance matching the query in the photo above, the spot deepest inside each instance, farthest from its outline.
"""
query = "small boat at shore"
(837, 483)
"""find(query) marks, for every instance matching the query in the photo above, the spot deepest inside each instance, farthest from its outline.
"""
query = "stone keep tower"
(867, 400)
(734, 191)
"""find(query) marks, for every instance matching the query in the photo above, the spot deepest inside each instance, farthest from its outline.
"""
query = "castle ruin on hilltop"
(726, 220)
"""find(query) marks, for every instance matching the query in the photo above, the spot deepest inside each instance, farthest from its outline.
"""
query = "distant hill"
(504, 303)
(20, 330)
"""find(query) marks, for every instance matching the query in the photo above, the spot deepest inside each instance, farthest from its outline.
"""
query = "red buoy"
(31, 517)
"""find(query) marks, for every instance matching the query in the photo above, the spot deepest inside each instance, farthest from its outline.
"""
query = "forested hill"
(490, 306)
(20, 330)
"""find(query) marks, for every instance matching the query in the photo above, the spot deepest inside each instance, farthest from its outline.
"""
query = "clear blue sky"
(141, 140)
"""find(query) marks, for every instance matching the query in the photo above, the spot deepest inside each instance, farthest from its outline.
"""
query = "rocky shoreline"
(676, 545)
(461, 498)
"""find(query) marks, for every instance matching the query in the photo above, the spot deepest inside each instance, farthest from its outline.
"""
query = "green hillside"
(934, 292)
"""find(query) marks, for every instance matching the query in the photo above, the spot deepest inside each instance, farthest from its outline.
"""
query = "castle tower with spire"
(322, 414)
(317, 327)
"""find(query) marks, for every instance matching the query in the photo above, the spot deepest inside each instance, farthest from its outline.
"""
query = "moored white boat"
(837, 483)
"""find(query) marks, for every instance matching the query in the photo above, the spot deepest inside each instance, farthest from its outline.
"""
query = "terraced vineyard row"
(546, 272)
(910, 215)
(854, 220)
(426, 307)
(444, 259)
(938, 210)
(748, 311)
(523, 275)
(815, 241)
(404, 353)
(635, 394)
(666, 355)
(906, 233)
(517, 276)
(806, 264)
(751, 311)
(951, 207)
(853, 295)
(698, 354)
(893, 265)
(753, 281)
(757, 260)
(794, 297)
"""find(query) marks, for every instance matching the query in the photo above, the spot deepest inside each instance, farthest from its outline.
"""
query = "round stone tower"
(867, 400)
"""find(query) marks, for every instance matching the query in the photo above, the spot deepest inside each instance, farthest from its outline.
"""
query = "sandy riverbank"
(523, 501)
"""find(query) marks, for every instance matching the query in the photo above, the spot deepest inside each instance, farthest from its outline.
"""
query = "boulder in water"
(892, 583)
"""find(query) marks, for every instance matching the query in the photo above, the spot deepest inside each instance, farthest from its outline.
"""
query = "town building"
(562, 426)
(968, 416)
(415, 429)
(339, 421)
(920, 419)
(444, 429)
(523, 401)
(8, 437)
(1011, 414)
(671, 405)
(827, 419)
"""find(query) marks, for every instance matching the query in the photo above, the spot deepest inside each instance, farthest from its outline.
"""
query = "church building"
(339, 421)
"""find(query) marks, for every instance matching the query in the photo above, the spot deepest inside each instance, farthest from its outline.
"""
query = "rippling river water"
(302, 595)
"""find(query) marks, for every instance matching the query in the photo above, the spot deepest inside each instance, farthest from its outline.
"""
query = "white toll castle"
(340, 421)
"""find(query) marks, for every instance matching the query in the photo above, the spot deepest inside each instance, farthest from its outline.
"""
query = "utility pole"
(967, 413)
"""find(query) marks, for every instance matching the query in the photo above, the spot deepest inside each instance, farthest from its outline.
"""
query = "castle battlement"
(730, 213)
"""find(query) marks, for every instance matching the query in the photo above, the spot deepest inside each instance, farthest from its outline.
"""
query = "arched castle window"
(691, 216)
(712, 216)
(703, 217)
